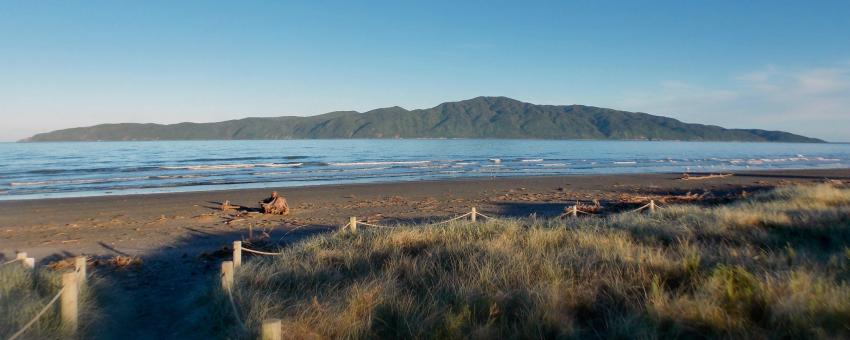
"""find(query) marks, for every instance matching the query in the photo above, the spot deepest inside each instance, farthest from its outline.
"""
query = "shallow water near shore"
(76, 169)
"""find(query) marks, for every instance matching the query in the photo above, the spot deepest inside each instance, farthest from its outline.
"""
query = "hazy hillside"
(482, 117)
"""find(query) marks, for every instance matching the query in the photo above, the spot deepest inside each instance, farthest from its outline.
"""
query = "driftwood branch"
(275, 205)
(687, 177)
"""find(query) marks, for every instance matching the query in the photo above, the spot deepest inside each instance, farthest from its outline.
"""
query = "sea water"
(73, 169)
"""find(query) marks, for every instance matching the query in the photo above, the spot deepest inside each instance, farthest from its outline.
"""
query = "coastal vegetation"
(774, 265)
(481, 117)
(27, 292)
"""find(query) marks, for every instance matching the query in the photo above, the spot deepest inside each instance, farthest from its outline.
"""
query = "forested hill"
(482, 117)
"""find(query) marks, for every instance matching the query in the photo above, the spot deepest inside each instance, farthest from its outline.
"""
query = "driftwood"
(687, 197)
(275, 205)
(226, 206)
(687, 177)
(594, 208)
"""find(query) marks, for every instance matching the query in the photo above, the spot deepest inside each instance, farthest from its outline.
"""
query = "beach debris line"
(275, 205)
(688, 177)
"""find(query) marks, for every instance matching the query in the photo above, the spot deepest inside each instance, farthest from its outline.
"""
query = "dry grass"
(776, 265)
(24, 292)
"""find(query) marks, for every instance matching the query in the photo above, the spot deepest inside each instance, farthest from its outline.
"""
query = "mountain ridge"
(480, 117)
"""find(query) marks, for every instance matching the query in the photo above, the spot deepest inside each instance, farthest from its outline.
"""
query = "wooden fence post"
(473, 215)
(69, 304)
(237, 254)
(574, 211)
(652, 206)
(271, 330)
(80, 268)
(227, 275)
(250, 231)
(27, 262)
(352, 223)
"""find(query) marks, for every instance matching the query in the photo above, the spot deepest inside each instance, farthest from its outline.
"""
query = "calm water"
(36, 170)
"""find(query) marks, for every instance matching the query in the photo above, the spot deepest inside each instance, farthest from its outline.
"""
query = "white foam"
(77, 181)
(380, 163)
(533, 160)
(625, 162)
(272, 173)
(365, 169)
(280, 165)
(209, 167)
(173, 176)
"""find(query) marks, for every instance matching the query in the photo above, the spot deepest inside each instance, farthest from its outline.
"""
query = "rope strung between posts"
(10, 261)
(577, 210)
(648, 205)
(451, 219)
(485, 216)
(639, 209)
(37, 316)
(235, 311)
(259, 252)
(429, 224)
(372, 225)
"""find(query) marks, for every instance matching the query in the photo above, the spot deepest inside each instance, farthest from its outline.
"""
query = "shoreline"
(787, 174)
(397, 199)
(180, 239)
(826, 172)
(138, 224)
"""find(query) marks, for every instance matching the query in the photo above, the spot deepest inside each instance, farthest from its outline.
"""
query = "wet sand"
(134, 224)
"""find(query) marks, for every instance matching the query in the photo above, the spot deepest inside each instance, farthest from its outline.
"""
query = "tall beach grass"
(775, 265)
(23, 294)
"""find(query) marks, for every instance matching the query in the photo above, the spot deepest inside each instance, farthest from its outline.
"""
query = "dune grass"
(23, 294)
(776, 265)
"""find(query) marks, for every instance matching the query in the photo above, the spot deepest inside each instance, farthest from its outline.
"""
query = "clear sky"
(765, 64)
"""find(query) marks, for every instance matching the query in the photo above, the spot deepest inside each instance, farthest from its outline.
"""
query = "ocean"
(76, 169)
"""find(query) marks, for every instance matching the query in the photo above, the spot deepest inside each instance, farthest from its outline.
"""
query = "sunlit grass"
(23, 294)
(776, 265)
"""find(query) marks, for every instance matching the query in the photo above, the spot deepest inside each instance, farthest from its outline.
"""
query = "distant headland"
(481, 117)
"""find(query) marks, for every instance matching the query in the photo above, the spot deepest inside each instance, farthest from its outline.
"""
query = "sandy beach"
(136, 224)
(177, 235)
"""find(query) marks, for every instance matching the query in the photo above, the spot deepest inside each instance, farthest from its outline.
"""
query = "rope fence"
(574, 211)
(10, 261)
(28, 262)
(37, 316)
(271, 328)
(451, 219)
(487, 217)
(68, 295)
(260, 252)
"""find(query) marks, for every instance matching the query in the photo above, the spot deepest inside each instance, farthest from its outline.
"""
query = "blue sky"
(765, 64)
